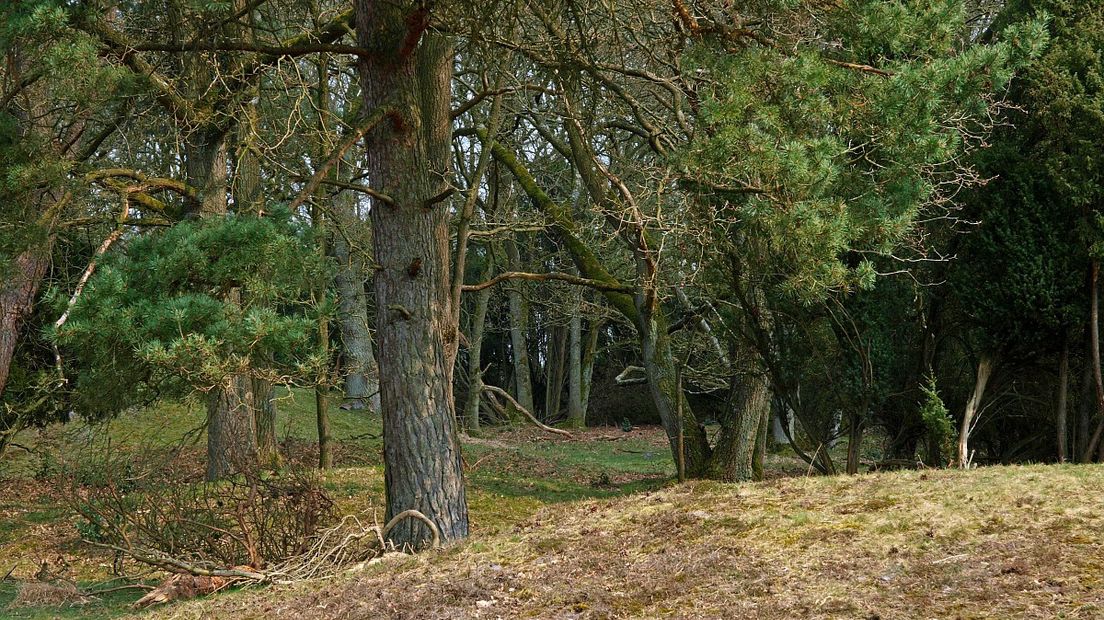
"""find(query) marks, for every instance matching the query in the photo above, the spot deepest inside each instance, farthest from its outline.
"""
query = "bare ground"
(1001, 542)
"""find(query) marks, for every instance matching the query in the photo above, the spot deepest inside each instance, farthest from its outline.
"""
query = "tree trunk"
(1063, 392)
(519, 327)
(264, 402)
(590, 355)
(575, 413)
(734, 454)
(475, 351)
(985, 368)
(231, 425)
(361, 372)
(1085, 406)
(231, 443)
(759, 457)
(854, 444)
(409, 69)
(554, 374)
(685, 436)
(17, 297)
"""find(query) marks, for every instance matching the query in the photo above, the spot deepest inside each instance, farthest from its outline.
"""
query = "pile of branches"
(250, 529)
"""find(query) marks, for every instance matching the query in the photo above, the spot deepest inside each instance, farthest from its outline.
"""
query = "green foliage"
(185, 308)
(821, 163)
(937, 419)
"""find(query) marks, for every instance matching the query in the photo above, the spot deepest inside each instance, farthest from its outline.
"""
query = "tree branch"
(599, 285)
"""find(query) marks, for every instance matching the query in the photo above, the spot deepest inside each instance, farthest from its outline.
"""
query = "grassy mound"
(1001, 542)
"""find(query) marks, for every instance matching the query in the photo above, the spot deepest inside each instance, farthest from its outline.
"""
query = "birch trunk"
(985, 368)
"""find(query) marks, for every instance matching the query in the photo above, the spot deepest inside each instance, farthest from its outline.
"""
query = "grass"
(595, 528)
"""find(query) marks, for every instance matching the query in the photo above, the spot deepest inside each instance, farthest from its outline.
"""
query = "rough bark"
(17, 296)
(733, 455)
(409, 69)
(231, 424)
(231, 443)
(985, 369)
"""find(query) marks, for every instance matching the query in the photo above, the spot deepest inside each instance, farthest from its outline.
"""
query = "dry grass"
(1002, 542)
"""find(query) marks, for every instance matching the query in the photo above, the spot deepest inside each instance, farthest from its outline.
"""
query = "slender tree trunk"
(590, 355)
(759, 457)
(854, 444)
(361, 371)
(576, 415)
(475, 340)
(1063, 392)
(1094, 349)
(409, 69)
(985, 368)
(685, 435)
(1085, 406)
(554, 372)
(519, 328)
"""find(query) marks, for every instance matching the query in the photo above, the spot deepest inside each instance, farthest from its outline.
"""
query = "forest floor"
(594, 527)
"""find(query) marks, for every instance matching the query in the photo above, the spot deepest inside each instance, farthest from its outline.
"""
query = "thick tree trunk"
(1063, 393)
(409, 69)
(17, 296)
(231, 442)
(733, 455)
(985, 368)
(576, 417)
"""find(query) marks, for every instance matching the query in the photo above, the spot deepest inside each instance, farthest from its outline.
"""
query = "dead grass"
(1002, 542)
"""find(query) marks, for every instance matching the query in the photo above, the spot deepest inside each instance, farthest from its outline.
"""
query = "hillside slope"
(1001, 542)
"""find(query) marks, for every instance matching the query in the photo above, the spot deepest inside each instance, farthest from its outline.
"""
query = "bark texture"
(408, 68)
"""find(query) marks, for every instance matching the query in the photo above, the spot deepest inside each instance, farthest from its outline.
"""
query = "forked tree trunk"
(554, 372)
(985, 369)
(408, 68)
(734, 454)
(684, 434)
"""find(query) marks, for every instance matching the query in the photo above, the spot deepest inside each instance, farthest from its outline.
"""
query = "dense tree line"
(779, 221)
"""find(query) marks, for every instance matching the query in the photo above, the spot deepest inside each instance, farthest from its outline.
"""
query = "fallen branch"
(532, 418)
(625, 379)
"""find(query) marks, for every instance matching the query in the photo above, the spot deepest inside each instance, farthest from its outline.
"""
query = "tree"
(408, 70)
